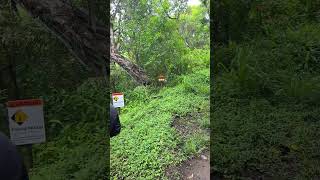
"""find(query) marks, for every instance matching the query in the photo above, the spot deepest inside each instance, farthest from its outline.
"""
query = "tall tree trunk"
(70, 25)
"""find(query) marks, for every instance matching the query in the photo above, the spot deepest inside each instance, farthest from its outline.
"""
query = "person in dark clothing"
(115, 125)
(11, 163)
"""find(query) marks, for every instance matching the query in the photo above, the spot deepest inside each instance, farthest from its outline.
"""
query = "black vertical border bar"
(108, 88)
(213, 24)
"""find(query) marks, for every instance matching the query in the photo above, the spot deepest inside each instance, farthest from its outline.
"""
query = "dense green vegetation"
(148, 142)
(79, 147)
(75, 105)
(162, 37)
(165, 38)
(266, 90)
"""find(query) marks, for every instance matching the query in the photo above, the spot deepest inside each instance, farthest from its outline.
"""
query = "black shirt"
(11, 163)
(115, 126)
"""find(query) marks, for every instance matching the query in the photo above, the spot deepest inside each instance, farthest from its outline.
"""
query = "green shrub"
(257, 137)
(282, 64)
(197, 82)
(197, 59)
(77, 142)
(265, 101)
(195, 144)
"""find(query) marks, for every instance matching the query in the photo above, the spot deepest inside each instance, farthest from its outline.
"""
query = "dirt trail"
(197, 167)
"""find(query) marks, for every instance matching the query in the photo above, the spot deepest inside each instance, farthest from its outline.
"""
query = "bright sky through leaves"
(194, 2)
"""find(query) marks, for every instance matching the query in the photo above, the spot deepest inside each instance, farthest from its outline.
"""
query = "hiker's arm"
(115, 125)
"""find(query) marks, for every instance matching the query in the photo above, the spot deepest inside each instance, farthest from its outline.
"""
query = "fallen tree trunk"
(91, 46)
(135, 71)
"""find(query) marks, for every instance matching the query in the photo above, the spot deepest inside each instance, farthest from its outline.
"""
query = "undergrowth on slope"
(148, 143)
(263, 139)
(266, 106)
(79, 148)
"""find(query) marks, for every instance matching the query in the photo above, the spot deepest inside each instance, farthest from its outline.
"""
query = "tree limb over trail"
(135, 71)
(90, 45)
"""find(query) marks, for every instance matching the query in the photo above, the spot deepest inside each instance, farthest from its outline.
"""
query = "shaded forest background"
(266, 89)
(34, 63)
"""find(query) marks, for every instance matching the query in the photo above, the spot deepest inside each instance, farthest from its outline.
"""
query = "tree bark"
(90, 46)
(135, 71)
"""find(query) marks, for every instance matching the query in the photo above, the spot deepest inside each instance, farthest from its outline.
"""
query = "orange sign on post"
(162, 78)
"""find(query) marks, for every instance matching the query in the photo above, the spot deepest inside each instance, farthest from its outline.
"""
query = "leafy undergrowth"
(148, 143)
(255, 138)
(77, 147)
(265, 107)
